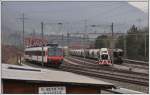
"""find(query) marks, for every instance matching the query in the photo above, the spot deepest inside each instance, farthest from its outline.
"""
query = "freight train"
(52, 55)
(103, 55)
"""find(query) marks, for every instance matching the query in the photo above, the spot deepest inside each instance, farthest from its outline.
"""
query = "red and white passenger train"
(52, 55)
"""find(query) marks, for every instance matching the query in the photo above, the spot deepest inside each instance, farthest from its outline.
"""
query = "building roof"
(37, 74)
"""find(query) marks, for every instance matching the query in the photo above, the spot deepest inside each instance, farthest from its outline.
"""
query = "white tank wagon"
(65, 50)
(94, 53)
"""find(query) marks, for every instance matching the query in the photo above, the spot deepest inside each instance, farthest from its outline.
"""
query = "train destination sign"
(52, 90)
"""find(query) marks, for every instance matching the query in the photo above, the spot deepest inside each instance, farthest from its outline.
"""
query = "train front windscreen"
(55, 52)
(104, 56)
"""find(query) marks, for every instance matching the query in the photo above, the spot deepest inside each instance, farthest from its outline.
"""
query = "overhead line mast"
(112, 45)
(23, 32)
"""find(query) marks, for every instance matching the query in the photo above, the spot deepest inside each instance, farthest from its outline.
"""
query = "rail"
(136, 61)
(123, 91)
(81, 69)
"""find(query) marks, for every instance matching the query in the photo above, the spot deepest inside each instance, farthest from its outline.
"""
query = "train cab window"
(55, 52)
(104, 56)
(104, 51)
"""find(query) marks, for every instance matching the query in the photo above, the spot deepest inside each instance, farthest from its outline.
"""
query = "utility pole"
(145, 44)
(23, 28)
(62, 37)
(33, 34)
(68, 35)
(42, 34)
(85, 27)
(112, 45)
(68, 38)
(85, 34)
(60, 26)
(125, 46)
(23, 20)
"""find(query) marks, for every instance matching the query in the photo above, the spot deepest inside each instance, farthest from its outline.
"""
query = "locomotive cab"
(104, 57)
(118, 53)
(55, 55)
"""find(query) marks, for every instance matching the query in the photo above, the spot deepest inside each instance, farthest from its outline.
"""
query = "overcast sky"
(73, 15)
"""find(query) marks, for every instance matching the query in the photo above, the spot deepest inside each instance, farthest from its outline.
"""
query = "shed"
(28, 80)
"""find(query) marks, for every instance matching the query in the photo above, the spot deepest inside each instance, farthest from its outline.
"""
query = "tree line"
(135, 43)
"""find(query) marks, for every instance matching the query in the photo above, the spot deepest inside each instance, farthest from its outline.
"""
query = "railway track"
(108, 71)
(136, 65)
(105, 73)
(136, 62)
(112, 73)
(130, 66)
(82, 69)
(92, 64)
(37, 65)
(139, 85)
